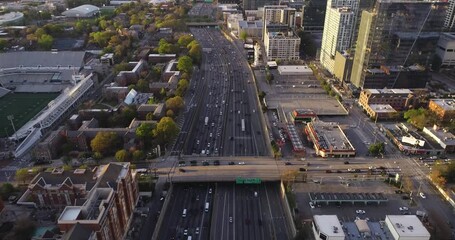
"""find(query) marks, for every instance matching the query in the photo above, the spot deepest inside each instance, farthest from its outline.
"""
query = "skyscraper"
(340, 20)
(395, 43)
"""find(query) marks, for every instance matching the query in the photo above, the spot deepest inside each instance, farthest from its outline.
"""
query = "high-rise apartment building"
(450, 16)
(282, 46)
(340, 20)
(395, 43)
(255, 4)
(278, 15)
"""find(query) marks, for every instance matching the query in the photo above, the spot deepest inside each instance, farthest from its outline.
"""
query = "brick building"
(443, 108)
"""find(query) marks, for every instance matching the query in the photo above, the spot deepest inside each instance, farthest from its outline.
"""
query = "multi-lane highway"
(223, 116)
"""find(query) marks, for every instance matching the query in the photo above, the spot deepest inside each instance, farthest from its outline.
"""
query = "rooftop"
(294, 69)
(331, 136)
(444, 136)
(70, 213)
(250, 24)
(329, 225)
(83, 9)
(382, 108)
(41, 59)
(407, 225)
(447, 104)
(389, 91)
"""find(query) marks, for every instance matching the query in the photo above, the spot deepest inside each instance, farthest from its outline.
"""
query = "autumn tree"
(165, 130)
(105, 142)
(176, 103)
(243, 35)
(138, 155)
(122, 155)
(185, 39)
(45, 41)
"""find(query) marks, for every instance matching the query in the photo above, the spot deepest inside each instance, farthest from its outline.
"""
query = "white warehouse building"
(446, 50)
(406, 227)
(327, 227)
(83, 11)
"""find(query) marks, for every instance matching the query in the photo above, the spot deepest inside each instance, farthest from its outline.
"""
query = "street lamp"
(10, 118)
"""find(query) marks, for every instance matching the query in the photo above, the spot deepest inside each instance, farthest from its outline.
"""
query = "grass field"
(23, 106)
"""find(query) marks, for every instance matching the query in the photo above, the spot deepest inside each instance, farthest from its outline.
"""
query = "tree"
(165, 47)
(176, 103)
(6, 190)
(170, 113)
(195, 53)
(105, 142)
(408, 184)
(185, 39)
(23, 175)
(46, 41)
(3, 44)
(23, 229)
(376, 148)
(142, 85)
(165, 130)
(420, 117)
(185, 64)
(138, 155)
(149, 116)
(144, 131)
(437, 178)
(181, 87)
(122, 155)
(243, 35)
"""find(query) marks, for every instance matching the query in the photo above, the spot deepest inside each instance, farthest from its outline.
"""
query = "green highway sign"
(240, 180)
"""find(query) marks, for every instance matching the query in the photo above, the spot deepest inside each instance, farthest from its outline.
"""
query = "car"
(210, 191)
(311, 204)
(182, 170)
(197, 231)
(231, 163)
(360, 211)
(404, 209)
(185, 232)
(241, 163)
(346, 162)
(230, 219)
(422, 195)
(302, 169)
(205, 163)
(405, 197)
(216, 162)
(287, 163)
(328, 171)
(162, 198)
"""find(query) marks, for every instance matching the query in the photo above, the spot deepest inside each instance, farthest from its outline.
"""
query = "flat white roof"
(407, 226)
(70, 213)
(272, 64)
(446, 103)
(444, 136)
(329, 225)
(294, 69)
(390, 91)
(382, 108)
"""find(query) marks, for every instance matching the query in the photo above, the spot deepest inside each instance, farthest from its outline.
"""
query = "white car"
(360, 211)
(241, 163)
(422, 195)
(311, 204)
(185, 232)
(404, 208)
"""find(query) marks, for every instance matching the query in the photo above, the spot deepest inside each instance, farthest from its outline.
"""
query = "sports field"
(23, 106)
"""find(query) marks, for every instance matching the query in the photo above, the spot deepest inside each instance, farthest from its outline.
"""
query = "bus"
(206, 121)
(243, 125)
(206, 207)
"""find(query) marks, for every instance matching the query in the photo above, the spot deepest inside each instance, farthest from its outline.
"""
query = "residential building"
(327, 227)
(329, 139)
(399, 99)
(108, 209)
(126, 77)
(392, 49)
(49, 148)
(255, 4)
(442, 136)
(79, 231)
(406, 227)
(277, 14)
(314, 15)
(282, 46)
(343, 67)
(381, 112)
(252, 28)
(446, 49)
(443, 108)
(340, 20)
(450, 17)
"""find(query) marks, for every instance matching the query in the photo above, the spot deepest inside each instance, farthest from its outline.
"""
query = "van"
(189, 238)
(184, 213)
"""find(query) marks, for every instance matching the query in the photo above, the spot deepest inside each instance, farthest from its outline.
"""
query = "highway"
(222, 99)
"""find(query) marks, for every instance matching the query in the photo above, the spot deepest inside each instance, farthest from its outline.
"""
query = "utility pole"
(10, 118)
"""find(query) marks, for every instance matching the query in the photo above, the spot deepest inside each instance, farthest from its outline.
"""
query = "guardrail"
(162, 215)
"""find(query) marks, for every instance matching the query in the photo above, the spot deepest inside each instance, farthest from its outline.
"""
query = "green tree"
(149, 116)
(420, 117)
(176, 103)
(185, 64)
(195, 53)
(145, 130)
(6, 190)
(142, 85)
(243, 35)
(170, 113)
(185, 39)
(122, 155)
(105, 142)
(165, 130)
(3, 44)
(46, 41)
(165, 47)
(376, 148)
(23, 229)
(97, 155)
(138, 155)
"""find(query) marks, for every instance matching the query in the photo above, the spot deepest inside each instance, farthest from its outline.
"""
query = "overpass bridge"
(203, 24)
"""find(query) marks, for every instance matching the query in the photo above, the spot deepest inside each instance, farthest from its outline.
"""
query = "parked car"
(404, 209)
(231, 163)
(422, 195)
(287, 163)
(302, 169)
(360, 211)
